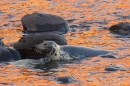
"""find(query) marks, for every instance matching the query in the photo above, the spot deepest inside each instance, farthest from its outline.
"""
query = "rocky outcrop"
(25, 45)
(122, 28)
(40, 22)
(8, 54)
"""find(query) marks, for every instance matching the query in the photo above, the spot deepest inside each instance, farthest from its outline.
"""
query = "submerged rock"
(122, 28)
(65, 80)
(115, 68)
(25, 45)
(108, 56)
(8, 54)
(40, 22)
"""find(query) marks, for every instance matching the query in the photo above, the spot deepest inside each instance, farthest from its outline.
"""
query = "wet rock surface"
(41, 22)
(65, 80)
(1, 42)
(25, 45)
(122, 28)
(8, 54)
(108, 56)
(115, 68)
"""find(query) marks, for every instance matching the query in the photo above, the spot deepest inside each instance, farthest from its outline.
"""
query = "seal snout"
(43, 48)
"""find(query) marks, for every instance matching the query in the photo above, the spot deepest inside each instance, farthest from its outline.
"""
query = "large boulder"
(122, 28)
(8, 54)
(25, 45)
(40, 22)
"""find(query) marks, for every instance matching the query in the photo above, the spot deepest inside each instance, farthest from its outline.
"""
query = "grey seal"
(66, 52)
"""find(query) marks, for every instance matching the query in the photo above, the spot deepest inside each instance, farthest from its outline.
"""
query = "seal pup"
(66, 52)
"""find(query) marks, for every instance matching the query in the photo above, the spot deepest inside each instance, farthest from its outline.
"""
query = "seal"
(66, 52)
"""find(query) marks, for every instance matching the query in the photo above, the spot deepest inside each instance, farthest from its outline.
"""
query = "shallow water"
(90, 19)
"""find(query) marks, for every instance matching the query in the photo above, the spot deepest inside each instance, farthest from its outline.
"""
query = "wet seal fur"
(66, 52)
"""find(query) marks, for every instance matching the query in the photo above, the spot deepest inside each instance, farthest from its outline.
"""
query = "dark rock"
(1, 13)
(8, 54)
(65, 80)
(1, 42)
(40, 22)
(25, 45)
(70, 20)
(15, 54)
(122, 28)
(108, 56)
(114, 68)
(74, 26)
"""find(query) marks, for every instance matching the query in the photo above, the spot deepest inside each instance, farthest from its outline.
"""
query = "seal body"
(56, 52)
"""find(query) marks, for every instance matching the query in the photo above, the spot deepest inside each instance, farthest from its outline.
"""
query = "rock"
(40, 22)
(65, 80)
(108, 56)
(8, 54)
(25, 45)
(122, 28)
(115, 68)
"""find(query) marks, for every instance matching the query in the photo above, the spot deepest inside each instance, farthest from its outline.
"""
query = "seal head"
(50, 48)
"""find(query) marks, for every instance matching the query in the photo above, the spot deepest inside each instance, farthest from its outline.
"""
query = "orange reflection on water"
(87, 72)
